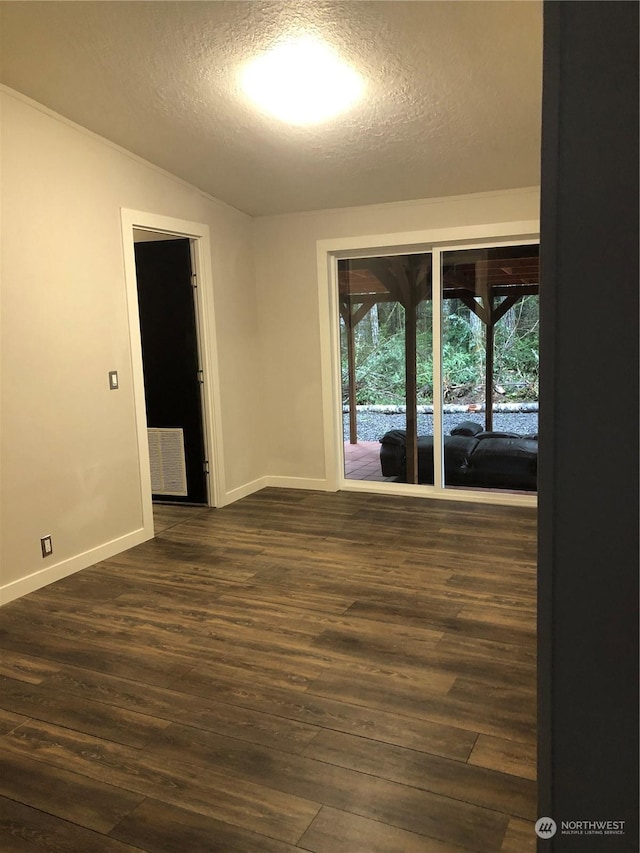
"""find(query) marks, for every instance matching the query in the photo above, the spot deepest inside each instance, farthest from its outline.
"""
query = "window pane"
(387, 367)
(490, 367)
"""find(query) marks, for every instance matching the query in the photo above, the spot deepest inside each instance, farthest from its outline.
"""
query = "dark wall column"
(588, 477)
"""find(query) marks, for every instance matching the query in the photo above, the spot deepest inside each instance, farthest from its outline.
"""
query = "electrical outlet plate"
(47, 546)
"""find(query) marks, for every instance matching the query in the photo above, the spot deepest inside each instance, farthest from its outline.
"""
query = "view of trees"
(380, 359)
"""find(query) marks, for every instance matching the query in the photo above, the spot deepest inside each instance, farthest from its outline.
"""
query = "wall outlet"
(47, 546)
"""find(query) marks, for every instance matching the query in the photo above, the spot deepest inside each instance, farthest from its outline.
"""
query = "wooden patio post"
(411, 389)
(488, 364)
(484, 289)
(351, 359)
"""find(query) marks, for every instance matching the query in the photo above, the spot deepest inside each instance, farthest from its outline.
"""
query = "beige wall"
(288, 305)
(69, 452)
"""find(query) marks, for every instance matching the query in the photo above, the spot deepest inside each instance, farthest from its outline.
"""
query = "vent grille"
(167, 458)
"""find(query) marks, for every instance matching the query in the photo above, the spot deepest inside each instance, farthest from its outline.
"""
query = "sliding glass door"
(386, 340)
(439, 362)
(489, 348)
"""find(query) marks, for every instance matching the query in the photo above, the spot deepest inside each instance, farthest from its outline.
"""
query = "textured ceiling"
(452, 103)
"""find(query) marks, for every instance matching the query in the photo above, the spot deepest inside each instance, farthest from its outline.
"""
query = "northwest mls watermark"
(546, 827)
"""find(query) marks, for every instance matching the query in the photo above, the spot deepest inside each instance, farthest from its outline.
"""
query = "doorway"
(159, 228)
(172, 368)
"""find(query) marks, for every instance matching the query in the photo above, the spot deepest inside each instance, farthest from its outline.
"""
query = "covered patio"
(362, 462)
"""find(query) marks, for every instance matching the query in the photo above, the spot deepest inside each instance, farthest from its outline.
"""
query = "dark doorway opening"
(172, 371)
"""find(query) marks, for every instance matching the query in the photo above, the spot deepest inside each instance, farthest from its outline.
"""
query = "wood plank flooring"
(334, 673)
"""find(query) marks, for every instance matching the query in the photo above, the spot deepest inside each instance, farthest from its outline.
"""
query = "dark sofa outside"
(472, 457)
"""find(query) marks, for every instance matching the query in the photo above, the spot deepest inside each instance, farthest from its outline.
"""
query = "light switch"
(113, 379)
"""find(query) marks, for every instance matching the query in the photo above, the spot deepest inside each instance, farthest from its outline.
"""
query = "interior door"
(172, 375)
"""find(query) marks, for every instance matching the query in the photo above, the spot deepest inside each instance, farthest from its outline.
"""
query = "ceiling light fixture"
(302, 81)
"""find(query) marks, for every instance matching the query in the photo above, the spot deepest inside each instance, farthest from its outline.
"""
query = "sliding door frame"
(434, 242)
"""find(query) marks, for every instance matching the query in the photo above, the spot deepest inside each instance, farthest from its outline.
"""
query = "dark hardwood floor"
(336, 673)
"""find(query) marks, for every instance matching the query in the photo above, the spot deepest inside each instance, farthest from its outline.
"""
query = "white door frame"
(434, 240)
(207, 344)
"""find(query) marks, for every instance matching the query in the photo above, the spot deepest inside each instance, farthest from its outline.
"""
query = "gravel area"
(373, 425)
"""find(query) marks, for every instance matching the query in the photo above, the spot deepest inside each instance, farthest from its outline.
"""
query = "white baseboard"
(299, 483)
(243, 491)
(278, 483)
(44, 577)
(430, 493)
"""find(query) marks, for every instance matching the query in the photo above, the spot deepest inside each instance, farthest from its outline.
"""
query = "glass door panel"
(489, 349)
(386, 348)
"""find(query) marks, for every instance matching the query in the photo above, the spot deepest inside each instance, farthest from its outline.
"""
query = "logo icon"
(546, 827)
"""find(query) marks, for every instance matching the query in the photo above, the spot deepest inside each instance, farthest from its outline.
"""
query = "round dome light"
(301, 81)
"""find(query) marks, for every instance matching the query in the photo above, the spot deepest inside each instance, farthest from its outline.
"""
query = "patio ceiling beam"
(477, 308)
(506, 305)
(361, 312)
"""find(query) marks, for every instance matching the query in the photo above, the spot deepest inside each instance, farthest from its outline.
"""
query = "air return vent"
(166, 455)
